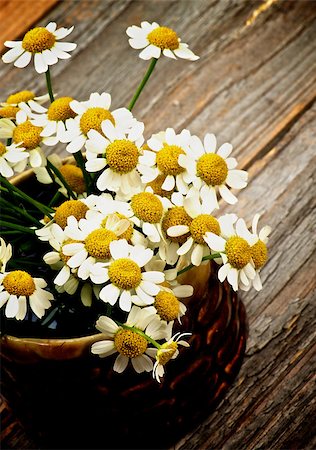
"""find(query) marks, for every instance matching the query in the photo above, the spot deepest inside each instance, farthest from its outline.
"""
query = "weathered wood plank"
(17, 16)
(275, 392)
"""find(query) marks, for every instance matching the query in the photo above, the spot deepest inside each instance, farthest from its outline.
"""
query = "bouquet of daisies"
(98, 240)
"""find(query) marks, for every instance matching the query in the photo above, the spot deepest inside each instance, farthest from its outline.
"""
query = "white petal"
(119, 249)
(215, 242)
(232, 278)
(227, 195)
(178, 230)
(110, 294)
(13, 54)
(185, 247)
(125, 301)
(23, 60)
(225, 150)
(40, 64)
(154, 276)
(197, 255)
(210, 143)
(120, 363)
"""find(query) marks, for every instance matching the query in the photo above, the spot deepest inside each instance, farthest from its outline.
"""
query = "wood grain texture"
(16, 16)
(255, 87)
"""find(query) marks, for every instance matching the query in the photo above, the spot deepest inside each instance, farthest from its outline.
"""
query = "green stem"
(44, 209)
(49, 85)
(141, 333)
(143, 83)
(20, 211)
(205, 258)
(14, 226)
(62, 179)
(54, 199)
(87, 178)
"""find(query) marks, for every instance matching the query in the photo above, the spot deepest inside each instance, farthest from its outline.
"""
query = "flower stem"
(49, 85)
(16, 227)
(143, 83)
(44, 209)
(205, 258)
(20, 211)
(62, 179)
(87, 178)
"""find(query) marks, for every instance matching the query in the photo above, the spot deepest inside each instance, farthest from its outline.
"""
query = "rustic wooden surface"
(254, 86)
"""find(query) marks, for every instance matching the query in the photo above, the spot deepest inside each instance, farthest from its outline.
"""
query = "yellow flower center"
(28, 134)
(167, 305)
(9, 112)
(69, 208)
(147, 207)
(3, 149)
(238, 252)
(259, 254)
(127, 233)
(92, 119)
(37, 40)
(164, 37)
(60, 109)
(212, 169)
(125, 274)
(122, 156)
(164, 356)
(167, 160)
(156, 186)
(201, 224)
(176, 216)
(129, 343)
(74, 177)
(19, 282)
(97, 243)
(18, 97)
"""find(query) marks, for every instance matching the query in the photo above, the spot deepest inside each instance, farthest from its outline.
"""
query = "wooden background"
(254, 86)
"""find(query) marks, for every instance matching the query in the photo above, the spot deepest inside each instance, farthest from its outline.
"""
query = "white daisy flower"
(5, 254)
(157, 41)
(12, 159)
(212, 170)
(147, 212)
(163, 159)
(259, 252)
(44, 44)
(90, 115)
(20, 104)
(92, 244)
(201, 223)
(27, 135)
(118, 155)
(54, 119)
(168, 350)
(125, 340)
(127, 283)
(235, 251)
(76, 208)
(19, 287)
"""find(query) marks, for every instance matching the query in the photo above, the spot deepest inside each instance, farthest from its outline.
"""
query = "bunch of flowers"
(103, 243)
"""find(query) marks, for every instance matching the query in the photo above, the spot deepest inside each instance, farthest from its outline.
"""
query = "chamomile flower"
(89, 116)
(91, 243)
(5, 254)
(259, 252)
(234, 247)
(28, 136)
(12, 159)
(126, 341)
(54, 119)
(148, 210)
(157, 41)
(163, 159)
(212, 170)
(17, 288)
(126, 281)
(168, 350)
(20, 104)
(42, 43)
(118, 155)
(201, 223)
